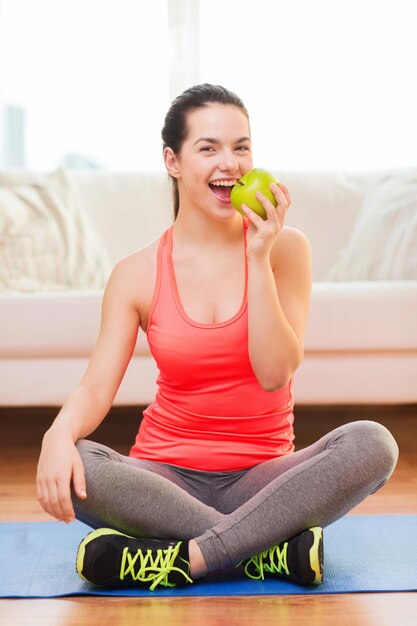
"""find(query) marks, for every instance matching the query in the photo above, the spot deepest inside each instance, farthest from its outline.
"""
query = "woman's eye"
(242, 148)
(206, 148)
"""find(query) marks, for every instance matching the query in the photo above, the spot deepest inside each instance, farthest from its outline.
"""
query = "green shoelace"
(272, 561)
(151, 568)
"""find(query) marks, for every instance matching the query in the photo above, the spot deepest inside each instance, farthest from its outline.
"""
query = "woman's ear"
(171, 162)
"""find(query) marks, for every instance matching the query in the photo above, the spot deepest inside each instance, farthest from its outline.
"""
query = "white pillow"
(383, 243)
(46, 239)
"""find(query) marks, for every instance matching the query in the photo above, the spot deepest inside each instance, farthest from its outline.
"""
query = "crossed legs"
(256, 509)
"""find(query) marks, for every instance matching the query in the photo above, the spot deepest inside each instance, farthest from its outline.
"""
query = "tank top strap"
(163, 286)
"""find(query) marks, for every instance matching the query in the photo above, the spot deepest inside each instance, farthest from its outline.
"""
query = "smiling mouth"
(222, 190)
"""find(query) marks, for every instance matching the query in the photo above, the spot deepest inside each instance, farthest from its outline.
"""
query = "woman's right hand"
(59, 464)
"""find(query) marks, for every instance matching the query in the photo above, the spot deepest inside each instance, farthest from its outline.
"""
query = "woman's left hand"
(263, 233)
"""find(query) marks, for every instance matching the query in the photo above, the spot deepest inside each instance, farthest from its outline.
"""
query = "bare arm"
(59, 461)
(278, 303)
(279, 290)
(90, 402)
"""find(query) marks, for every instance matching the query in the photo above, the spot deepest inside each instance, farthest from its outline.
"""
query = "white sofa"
(361, 341)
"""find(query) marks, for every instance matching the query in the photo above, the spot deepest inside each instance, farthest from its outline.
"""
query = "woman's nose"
(228, 162)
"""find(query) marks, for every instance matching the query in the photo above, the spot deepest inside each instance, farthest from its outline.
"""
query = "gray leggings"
(235, 515)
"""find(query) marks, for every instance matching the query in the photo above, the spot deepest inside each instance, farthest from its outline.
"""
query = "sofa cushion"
(46, 239)
(61, 324)
(361, 316)
(128, 210)
(382, 245)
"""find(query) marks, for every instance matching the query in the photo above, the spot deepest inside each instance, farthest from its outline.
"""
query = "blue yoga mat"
(370, 553)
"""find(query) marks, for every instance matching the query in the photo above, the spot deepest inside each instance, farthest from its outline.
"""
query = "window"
(87, 83)
(83, 83)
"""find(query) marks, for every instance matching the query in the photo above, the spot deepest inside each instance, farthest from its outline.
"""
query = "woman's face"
(216, 152)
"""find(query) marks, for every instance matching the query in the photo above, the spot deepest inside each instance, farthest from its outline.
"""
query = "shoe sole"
(316, 555)
(99, 532)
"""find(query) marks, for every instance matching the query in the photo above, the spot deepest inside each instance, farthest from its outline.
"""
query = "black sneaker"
(109, 558)
(299, 559)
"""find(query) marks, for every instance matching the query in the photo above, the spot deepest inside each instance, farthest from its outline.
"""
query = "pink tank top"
(210, 413)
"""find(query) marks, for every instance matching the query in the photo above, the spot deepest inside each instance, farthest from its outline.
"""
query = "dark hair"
(175, 128)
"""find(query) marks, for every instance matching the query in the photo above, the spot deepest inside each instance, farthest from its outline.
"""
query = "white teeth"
(223, 183)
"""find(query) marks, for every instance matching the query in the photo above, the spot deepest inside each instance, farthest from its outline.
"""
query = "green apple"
(246, 187)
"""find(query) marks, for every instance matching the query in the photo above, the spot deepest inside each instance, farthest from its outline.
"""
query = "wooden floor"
(21, 433)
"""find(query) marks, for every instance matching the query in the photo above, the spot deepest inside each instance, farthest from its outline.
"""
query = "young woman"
(212, 480)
